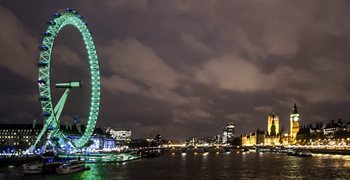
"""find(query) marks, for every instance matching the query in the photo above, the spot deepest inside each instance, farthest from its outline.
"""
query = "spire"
(274, 108)
(295, 109)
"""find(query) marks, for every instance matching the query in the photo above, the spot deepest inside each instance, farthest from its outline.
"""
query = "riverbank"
(281, 149)
(330, 151)
(17, 160)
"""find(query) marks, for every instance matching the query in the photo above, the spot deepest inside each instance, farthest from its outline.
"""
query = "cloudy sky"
(185, 68)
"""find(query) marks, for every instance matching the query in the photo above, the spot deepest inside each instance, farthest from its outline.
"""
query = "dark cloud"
(17, 48)
(185, 68)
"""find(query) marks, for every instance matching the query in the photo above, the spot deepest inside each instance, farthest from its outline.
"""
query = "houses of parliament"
(274, 136)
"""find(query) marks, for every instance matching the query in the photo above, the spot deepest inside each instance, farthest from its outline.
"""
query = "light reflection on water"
(93, 173)
(214, 166)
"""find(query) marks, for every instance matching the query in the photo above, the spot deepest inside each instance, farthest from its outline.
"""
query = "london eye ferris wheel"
(51, 113)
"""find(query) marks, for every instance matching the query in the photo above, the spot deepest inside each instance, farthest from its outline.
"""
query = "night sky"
(184, 68)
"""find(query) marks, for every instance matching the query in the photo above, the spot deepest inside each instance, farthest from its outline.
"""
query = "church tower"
(273, 124)
(294, 124)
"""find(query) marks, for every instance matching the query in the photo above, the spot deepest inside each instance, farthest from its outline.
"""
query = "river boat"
(149, 153)
(32, 168)
(51, 166)
(299, 153)
(71, 166)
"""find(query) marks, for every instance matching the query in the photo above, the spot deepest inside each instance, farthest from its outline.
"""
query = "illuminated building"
(21, 136)
(272, 140)
(255, 138)
(159, 139)
(294, 124)
(229, 133)
(260, 137)
(192, 141)
(18, 136)
(335, 133)
(272, 137)
(251, 139)
(121, 136)
(328, 134)
(273, 134)
(211, 140)
(330, 128)
(284, 137)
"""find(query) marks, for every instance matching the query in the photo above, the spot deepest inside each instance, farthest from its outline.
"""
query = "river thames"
(246, 165)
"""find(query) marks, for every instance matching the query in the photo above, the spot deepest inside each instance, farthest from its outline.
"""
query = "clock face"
(295, 118)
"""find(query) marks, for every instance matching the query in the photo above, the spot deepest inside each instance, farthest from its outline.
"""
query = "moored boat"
(71, 166)
(299, 153)
(32, 168)
(50, 167)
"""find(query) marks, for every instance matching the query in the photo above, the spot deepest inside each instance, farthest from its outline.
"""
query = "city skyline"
(185, 68)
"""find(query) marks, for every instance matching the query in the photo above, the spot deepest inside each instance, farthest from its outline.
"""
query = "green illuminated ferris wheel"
(51, 114)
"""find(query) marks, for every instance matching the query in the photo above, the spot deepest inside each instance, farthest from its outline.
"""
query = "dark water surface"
(248, 165)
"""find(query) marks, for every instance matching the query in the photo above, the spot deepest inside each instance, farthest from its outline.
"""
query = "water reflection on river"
(249, 165)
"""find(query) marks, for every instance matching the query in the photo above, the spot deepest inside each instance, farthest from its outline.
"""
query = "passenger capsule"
(45, 114)
(42, 63)
(41, 82)
(56, 14)
(51, 22)
(43, 98)
(69, 9)
(43, 48)
(46, 34)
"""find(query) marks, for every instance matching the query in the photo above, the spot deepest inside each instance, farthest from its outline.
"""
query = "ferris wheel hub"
(69, 84)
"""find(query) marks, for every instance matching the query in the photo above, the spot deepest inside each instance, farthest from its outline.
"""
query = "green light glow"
(103, 157)
(51, 121)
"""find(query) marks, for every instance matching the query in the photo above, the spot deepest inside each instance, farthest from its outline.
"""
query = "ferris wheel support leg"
(47, 141)
(60, 105)
(40, 135)
(57, 113)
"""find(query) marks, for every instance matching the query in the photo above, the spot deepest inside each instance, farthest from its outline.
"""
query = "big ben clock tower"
(294, 124)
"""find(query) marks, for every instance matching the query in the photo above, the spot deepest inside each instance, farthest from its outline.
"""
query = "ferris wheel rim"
(68, 17)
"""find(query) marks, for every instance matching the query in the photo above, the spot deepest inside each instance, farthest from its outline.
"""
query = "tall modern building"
(294, 124)
(229, 133)
(273, 124)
